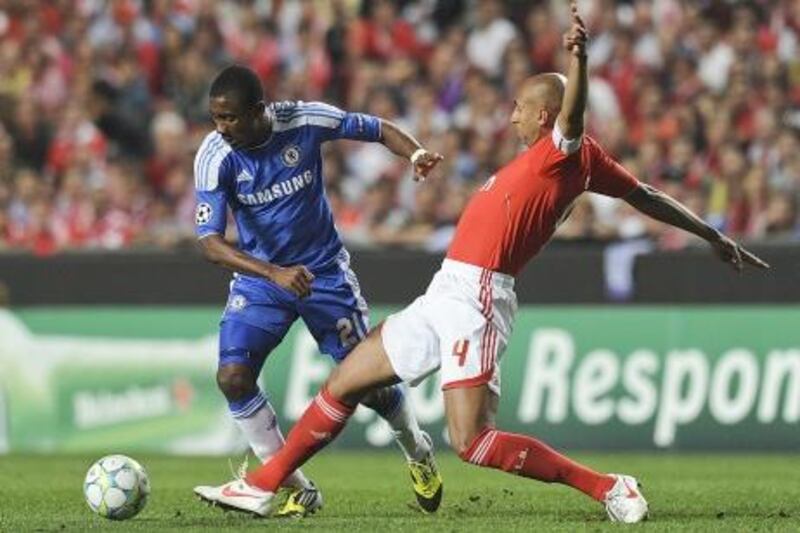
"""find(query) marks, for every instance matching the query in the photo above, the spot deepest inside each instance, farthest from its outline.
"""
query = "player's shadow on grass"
(223, 521)
(478, 508)
(722, 514)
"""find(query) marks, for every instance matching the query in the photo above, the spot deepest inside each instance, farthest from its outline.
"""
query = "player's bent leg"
(469, 411)
(236, 381)
(336, 316)
(243, 349)
(365, 369)
(249, 406)
(391, 403)
(303, 497)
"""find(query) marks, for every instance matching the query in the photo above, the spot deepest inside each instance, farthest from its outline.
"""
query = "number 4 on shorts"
(460, 350)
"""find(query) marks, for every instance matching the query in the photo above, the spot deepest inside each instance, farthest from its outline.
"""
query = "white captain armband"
(566, 146)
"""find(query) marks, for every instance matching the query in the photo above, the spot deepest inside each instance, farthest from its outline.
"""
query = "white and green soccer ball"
(116, 487)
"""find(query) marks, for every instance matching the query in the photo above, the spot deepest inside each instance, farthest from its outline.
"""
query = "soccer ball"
(116, 487)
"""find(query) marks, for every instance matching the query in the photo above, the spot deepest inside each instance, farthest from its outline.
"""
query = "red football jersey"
(514, 214)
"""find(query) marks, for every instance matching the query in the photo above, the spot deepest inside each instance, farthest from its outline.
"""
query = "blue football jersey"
(275, 190)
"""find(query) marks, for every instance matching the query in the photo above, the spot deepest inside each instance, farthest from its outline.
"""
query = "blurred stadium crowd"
(103, 103)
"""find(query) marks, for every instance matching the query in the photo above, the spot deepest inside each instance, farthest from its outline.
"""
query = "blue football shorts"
(259, 313)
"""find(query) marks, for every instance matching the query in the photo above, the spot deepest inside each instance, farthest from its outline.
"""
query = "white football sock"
(265, 438)
(406, 429)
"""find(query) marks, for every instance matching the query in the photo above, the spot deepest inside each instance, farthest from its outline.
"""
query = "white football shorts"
(462, 324)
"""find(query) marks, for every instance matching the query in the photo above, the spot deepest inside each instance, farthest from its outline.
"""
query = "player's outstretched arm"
(296, 278)
(402, 143)
(662, 207)
(570, 119)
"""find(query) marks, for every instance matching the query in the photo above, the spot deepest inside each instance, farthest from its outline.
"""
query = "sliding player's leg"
(414, 355)
(366, 369)
(337, 317)
(470, 414)
(473, 435)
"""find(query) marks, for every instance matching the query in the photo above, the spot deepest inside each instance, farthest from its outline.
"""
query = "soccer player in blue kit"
(264, 163)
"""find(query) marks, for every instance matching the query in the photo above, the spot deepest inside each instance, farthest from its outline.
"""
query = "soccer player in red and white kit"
(463, 322)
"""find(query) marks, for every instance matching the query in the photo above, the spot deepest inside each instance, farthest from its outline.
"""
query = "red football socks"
(528, 457)
(320, 423)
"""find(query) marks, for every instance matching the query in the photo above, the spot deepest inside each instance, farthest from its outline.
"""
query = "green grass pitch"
(370, 492)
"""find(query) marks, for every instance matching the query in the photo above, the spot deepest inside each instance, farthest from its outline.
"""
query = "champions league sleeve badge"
(291, 155)
(237, 302)
(203, 214)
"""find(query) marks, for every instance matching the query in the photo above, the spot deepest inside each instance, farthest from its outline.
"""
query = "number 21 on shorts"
(350, 330)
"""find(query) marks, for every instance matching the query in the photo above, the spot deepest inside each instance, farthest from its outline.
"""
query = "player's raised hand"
(576, 38)
(423, 162)
(296, 279)
(731, 252)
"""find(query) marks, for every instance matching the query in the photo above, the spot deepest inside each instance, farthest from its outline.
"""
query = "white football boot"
(237, 495)
(624, 501)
